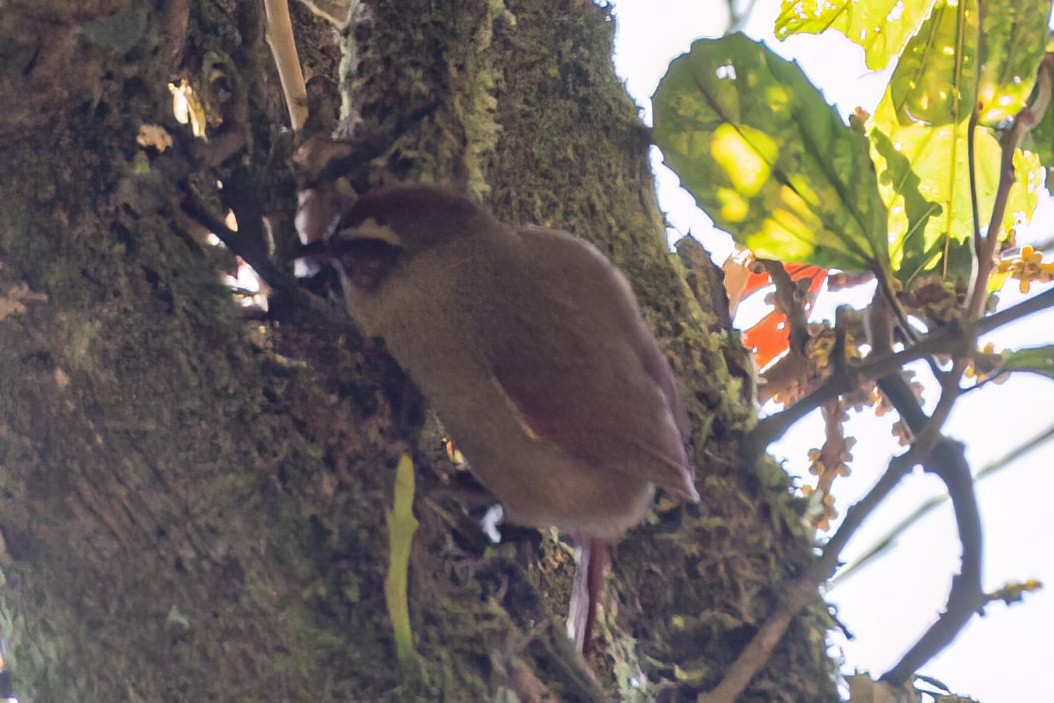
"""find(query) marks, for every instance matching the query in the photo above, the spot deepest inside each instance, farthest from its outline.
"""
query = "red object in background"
(768, 338)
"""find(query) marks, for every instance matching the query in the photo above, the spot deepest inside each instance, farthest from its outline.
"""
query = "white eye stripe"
(370, 229)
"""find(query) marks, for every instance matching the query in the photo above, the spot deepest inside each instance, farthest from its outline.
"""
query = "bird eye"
(366, 261)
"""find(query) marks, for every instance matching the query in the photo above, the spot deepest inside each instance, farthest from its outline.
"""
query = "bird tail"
(592, 564)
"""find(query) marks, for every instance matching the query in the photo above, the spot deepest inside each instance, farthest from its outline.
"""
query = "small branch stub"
(283, 48)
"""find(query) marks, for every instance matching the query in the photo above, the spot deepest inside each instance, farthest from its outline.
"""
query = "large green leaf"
(768, 159)
(937, 81)
(1014, 34)
(909, 210)
(1034, 359)
(924, 117)
(934, 81)
(938, 157)
(881, 27)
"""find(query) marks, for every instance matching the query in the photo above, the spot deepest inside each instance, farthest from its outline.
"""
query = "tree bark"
(192, 502)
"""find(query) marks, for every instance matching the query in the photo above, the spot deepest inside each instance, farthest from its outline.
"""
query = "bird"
(532, 350)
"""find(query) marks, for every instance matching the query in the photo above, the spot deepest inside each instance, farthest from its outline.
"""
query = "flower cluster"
(985, 362)
(1027, 268)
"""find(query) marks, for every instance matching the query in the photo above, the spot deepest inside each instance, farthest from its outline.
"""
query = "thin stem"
(966, 596)
(1015, 312)
(976, 211)
(950, 392)
(858, 513)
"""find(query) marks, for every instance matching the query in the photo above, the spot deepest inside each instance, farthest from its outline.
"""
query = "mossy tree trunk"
(192, 502)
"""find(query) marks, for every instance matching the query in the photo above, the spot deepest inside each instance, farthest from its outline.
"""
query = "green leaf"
(909, 210)
(1034, 359)
(938, 158)
(768, 159)
(881, 27)
(935, 79)
(924, 116)
(1012, 42)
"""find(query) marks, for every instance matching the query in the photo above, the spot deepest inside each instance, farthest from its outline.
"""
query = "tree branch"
(947, 460)
(966, 597)
(1015, 312)
(773, 427)
(944, 340)
(788, 302)
(928, 505)
(296, 304)
(801, 592)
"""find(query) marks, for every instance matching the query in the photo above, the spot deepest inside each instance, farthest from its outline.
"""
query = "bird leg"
(591, 565)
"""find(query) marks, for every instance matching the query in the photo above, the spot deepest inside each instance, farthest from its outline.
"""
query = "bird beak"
(311, 257)
(371, 246)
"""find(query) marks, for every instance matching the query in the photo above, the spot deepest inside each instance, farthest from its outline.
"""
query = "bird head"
(384, 227)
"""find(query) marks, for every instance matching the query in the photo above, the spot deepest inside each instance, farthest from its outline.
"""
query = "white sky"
(1006, 656)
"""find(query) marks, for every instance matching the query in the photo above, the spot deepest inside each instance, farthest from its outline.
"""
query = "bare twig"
(948, 339)
(947, 461)
(950, 392)
(1015, 312)
(304, 307)
(855, 516)
(801, 592)
(926, 507)
(966, 596)
(283, 48)
(788, 302)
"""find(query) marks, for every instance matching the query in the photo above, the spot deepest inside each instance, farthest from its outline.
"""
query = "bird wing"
(592, 378)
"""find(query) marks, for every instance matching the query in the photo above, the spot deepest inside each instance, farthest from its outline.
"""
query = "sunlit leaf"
(881, 27)
(1034, 359)
(938, 157)
(768, 159)
(1012, 40)
(909, 211)
(935, 79)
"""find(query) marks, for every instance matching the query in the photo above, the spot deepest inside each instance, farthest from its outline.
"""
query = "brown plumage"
(531, 348)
